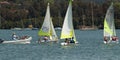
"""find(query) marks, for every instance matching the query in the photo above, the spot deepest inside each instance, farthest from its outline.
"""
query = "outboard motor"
(1, 40)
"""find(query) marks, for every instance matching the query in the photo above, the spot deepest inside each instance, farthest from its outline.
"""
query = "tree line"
(21, 13)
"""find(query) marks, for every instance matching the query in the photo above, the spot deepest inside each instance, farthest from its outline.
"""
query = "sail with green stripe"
(47, 28)
(109, 26)
(107, 29)
(67, 29)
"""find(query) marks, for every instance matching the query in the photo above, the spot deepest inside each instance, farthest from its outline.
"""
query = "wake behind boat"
(23, 40)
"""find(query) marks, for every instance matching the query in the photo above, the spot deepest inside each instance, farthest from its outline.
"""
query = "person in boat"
(45, 38)
(72, 40)
(105, 38)
(14, 36)
(67, 41)
(23, 37)
(114, 38)
(1, 40)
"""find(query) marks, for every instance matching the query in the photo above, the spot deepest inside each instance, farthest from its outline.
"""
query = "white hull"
(43, 41)
(20, 41)
(66, 44)
(111, 42)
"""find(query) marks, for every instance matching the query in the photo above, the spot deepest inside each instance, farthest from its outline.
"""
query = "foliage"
(13, 12)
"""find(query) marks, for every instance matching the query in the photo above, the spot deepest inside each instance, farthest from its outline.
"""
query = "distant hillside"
(97, 1)
(16, 13)
(100, 1)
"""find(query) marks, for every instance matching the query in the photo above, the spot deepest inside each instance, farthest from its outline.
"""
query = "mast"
(0, 21)
(83, 17)
(92, 14)
(30, 23)
(59, 14)
(0, 17)
(22, 23)
(35, 22)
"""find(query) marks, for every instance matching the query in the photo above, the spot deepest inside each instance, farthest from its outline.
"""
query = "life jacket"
(105, 38)
(14, 37)
(1, 40)
(114, 38)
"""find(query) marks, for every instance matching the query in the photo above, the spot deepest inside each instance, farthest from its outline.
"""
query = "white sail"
(67, 29)
(45, 30)
(53, 35)
(47, 27)
(109, 26)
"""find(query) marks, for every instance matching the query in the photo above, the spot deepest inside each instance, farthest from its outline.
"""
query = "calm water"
(90, 47)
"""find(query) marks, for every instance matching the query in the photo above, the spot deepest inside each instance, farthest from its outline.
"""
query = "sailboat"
(109, 26)
(67, 29)
(26, 40)
(17, 40)
(47, 29)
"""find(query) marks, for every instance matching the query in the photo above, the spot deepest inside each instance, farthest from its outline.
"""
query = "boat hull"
(20, 41)
(43, 41)
(111, 42)
(66, 44)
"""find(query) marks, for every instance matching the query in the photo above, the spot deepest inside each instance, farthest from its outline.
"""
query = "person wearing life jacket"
(1, 40)
(14, 36)
(114, 38)
(45, 38)
(23, 37)
(72, 40)
(67, 41)
(105, 38)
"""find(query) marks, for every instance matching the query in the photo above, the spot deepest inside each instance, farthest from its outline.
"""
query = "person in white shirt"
(14, 36)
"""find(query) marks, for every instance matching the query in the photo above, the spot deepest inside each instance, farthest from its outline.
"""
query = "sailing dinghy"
(67, 29)
(109, 27)
(47, 30)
